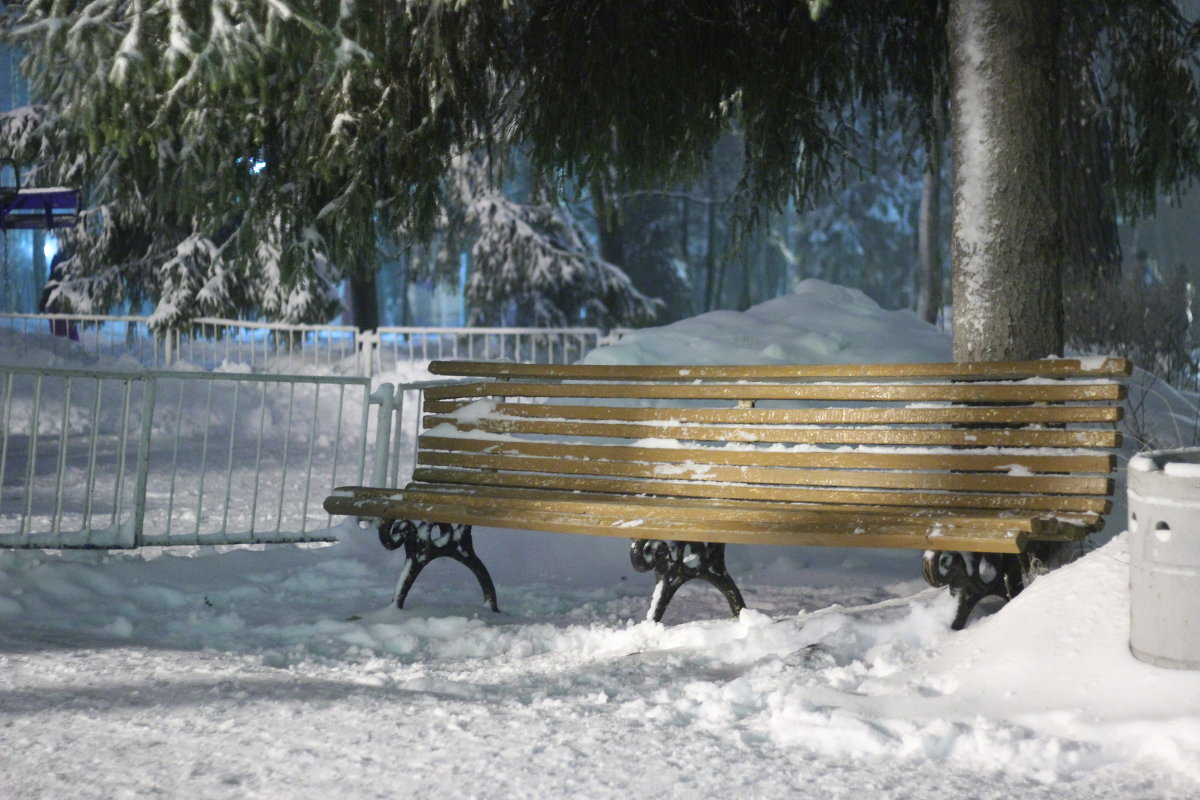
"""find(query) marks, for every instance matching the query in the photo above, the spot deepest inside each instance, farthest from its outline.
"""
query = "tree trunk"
(711, 287)
(648, 245)
(404, 282)
(40, 272)
(608, 226)
(929, 294)
(364, 300)
(685, 244)
(929, 237)
(1007, 236)
(745, 286)
(784, 284)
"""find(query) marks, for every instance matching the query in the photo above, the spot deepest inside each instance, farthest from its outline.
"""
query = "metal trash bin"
(1164, 547)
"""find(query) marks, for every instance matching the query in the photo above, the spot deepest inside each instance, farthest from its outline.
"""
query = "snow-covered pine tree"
(532, 264)
(240, 156)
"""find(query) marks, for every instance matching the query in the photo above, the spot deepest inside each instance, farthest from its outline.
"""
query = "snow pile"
(821, 323)
(283, 671)
(32, 347)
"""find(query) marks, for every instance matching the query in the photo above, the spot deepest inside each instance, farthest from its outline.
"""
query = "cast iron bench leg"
(972, 577)
(675, 563)
(425, 541)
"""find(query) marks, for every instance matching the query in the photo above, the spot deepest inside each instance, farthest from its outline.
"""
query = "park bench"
(990, 468)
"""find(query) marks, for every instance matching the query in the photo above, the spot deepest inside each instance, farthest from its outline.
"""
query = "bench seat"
(714, 520)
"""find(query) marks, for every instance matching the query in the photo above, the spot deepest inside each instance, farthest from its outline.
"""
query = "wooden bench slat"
(702, 515)
(896, 393)
(1069, 504)
(897, 533)
(698, 509)
(981, 482)
(445, 490)
(949, 415)
(991, 370)
(1077, 521)
(947, 437)
(964, 461)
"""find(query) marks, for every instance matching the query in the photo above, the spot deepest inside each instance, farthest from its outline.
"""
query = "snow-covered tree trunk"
(1006, 242)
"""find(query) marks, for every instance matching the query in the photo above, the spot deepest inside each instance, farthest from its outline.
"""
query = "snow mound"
(1057, 660)
(820, 323)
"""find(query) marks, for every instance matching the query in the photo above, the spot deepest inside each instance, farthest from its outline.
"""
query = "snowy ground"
(281, 672)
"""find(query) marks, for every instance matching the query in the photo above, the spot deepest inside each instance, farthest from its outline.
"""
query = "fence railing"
(93, 334)
(396, 346)
(211, 343)
(220, 343)
(126, 459)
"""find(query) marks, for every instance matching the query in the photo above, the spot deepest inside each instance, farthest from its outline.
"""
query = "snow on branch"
(533, 264)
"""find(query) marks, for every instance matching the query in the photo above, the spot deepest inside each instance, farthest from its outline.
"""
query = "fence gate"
(126, 459)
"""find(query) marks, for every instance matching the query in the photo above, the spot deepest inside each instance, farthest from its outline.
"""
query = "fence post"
(143, 470)
(386, 398)
(367, 342)
(398, 438)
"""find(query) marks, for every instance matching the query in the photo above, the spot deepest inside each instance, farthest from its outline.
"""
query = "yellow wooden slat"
(895, 533)
(1067, 504)
(948, 415)
(700, 510)
(965, 461)
(941, 437)
(989, 370)
(981, 482)
(1046, 522)
(1040, 526)
(896, 393)
(603, 495)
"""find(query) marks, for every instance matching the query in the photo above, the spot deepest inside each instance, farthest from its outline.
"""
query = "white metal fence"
(90, 334)
(215, 343)
(397, 346)
(112, 459)
(211, 343)
(125, 459)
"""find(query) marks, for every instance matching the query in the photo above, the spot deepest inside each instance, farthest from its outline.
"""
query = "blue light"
(256, 165)
(50, 248)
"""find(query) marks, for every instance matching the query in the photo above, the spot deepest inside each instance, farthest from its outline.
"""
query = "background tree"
(930, 260)
(534, 265)
(638, 233)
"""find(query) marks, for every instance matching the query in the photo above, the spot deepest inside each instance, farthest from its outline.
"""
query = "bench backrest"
(1023, 436)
